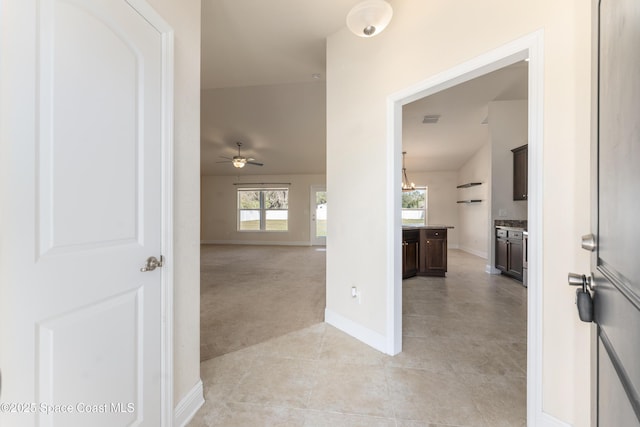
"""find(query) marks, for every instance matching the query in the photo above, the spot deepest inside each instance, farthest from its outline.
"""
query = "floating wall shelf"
(469, 201)
(469, 184)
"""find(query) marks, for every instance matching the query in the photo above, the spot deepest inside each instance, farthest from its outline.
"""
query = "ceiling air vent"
(431, 118)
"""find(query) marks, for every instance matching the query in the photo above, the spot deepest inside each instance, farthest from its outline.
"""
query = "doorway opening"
(318, 214)
(527, 48)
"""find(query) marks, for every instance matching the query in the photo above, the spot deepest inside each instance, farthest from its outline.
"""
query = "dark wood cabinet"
(502, 251)
(520, 172)
(515, 258)
(410, 246)
(433, 252)
(424, 252)
(509, 252)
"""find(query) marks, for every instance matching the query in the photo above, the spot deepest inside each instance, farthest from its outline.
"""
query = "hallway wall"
(363, 73)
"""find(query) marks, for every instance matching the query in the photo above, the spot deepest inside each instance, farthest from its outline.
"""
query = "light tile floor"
(463, 364)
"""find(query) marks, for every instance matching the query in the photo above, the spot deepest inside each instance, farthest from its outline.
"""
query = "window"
(265, 209)
(414, 207)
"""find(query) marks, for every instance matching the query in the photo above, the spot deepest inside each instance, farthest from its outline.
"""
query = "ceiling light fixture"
(238, 162)
(369, 18)
(406, 184)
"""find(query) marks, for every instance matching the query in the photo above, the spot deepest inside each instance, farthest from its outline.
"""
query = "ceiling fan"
(240, 161)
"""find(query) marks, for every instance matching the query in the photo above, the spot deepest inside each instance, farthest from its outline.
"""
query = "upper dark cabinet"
(520, 173)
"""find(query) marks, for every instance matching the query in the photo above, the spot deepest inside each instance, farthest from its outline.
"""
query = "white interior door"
(318, 208)
(81, 196)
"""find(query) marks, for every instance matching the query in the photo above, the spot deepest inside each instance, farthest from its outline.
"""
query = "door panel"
(613, 402)
(615, 264)
(78, 147)
(84, 208)
(502, 254)
(102, 372)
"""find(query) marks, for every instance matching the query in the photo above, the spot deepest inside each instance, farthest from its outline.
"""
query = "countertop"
(511, 224)
(504, 227)
(426, 227)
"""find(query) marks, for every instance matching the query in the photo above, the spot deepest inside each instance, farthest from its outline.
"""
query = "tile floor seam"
(393, 405)
(317, 365)
(242, 377)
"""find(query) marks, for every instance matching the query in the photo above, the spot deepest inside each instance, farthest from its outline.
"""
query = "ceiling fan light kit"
(240, 161)
(369, 18)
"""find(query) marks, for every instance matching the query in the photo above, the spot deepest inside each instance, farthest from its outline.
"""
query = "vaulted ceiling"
(263, 84)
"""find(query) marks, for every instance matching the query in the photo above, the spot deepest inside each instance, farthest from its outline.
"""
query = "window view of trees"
(263, 210)
(414, 207)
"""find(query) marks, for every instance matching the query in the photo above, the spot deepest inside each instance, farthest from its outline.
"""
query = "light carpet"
(250, 294)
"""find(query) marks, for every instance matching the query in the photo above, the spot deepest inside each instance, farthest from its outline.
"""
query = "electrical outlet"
(355, 293)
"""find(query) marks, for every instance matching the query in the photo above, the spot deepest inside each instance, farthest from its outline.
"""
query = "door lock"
(584, 300)
(589, 242)
(152, 263)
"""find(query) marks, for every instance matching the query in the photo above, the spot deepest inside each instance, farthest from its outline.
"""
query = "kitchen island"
(424, 250)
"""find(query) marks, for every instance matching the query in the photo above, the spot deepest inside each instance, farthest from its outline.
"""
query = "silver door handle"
(152, 263)
(582, 280)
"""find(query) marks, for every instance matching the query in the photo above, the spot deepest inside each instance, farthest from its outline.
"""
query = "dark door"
(515, 258)
(436, 255)
(502, 254)
(615, 221)
(411, 258)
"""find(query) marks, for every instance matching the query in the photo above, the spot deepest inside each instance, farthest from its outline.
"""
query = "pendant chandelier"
(406, 184)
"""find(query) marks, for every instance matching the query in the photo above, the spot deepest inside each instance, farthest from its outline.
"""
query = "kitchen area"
(466, 150)
(511, 249)
(484, 215)
(511, 236)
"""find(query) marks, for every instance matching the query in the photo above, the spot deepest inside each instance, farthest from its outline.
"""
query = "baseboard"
(550, 421)
(480, 254)
(189, 405)
(491, 270)
(356, 330)
(253, 242)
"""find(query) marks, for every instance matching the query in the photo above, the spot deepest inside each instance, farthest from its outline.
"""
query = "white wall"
(219, 210)
(474, 217)
(442, 207)
(184, 18)
(508, 126)
(507, 130)
(422, 40)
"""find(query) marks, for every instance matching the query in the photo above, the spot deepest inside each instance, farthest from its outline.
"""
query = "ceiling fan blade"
(255, 163)
(224, 161)
(223, 157)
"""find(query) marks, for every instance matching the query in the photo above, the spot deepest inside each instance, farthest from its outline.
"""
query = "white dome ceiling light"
(369, 18)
